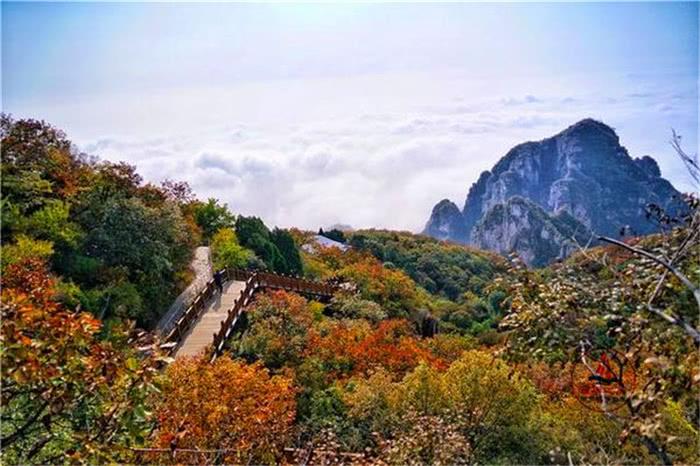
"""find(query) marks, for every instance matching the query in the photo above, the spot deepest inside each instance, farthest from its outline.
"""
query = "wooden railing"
(255, 282)
(188, 317)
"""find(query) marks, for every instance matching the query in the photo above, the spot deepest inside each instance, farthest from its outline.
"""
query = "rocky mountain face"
(542, 194)
(446, 221)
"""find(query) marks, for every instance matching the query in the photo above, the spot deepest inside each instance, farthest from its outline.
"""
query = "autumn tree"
(234, 412)
(67, 395)
(391, 289)
(278, 327)
(484, 409)
(594, 311)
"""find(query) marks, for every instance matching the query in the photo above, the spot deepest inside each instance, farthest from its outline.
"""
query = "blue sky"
(314, 114)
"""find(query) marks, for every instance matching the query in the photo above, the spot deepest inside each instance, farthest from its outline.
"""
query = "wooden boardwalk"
(203, 330)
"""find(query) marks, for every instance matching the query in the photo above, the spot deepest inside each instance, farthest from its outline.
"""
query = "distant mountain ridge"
(542, 194)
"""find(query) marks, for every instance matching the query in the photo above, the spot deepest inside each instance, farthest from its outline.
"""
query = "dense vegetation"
(121, 247)
(593, 360)
(459, 279)
(68, 393)
(442, 268)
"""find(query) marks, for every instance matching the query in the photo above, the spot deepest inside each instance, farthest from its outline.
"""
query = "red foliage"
(228, 405)
(394, 346)
(351, 350)
(606, 379)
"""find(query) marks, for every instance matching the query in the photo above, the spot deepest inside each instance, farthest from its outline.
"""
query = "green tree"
(147, 244)
(334, 234)
(441, 268)
(212, 217)
(253, 234)
(52, 222)
(226, 252)
(289, 251)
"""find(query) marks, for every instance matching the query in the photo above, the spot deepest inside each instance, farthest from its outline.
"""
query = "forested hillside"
(120, 246)
(428, 352)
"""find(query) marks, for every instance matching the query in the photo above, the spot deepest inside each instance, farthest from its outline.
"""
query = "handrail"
(254, 282)
(191, 314)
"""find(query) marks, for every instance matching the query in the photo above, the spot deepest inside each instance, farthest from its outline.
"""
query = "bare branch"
(673, 319)
(691, 162)
(603, 401)
(685, 280)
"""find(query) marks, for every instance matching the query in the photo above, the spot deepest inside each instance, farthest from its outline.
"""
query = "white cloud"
(365, 151)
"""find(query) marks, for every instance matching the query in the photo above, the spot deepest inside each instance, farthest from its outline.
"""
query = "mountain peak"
(590, 127)
(445, 221)
(445, 204)
(583, 171)
(591, 123)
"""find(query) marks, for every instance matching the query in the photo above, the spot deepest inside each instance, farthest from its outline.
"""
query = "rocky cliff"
(581, 178)
(446, 221)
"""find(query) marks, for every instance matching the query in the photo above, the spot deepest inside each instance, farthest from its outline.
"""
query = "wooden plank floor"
(202, 333)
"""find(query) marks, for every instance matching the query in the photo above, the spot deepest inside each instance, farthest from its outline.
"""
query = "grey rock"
(522, 226)
(446, 222)
(582, 172)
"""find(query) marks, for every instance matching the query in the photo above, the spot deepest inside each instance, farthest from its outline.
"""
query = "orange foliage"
(589, 386)
(34, 326)
(392, 289)
(553, 381)
(228, 405)
(280, 302)
(30, 277)
(53, 365)
(351, 350)
(335, 259)
(393, 346)
(448, 347)
(336, 345)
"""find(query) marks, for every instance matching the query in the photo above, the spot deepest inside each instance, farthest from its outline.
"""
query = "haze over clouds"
(358, 114)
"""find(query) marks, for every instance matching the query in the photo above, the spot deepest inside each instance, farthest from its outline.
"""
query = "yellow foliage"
(26, 248)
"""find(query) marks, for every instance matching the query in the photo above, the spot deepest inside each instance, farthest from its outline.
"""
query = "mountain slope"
(523, 226)
(583, 171)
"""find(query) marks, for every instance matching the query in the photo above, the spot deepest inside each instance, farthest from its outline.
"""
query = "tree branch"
(668, 266)
(675, 320)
